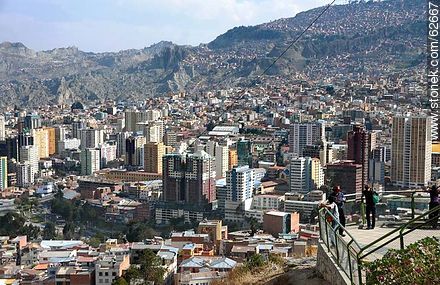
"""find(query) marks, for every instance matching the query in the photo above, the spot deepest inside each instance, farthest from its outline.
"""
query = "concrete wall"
(328, 268)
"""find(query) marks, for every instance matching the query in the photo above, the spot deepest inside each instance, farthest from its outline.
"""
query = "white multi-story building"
(25, 174)
(29, 153)
(90, 161)
(240, 183)
(302, 134)
(2, 128)
(108, 153)
(411, 150)
(306, 174)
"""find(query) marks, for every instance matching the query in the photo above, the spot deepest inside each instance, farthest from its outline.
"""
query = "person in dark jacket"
(339, 199)
(370, 206)
(434, 201)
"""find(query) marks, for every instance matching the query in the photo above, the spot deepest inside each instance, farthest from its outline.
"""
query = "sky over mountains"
(112, 25)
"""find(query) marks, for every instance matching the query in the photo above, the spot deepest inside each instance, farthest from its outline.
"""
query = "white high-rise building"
(25, 174)
(90, 161)
(91, 138)
(153, 131)
(302, 134)
(411, 149)
(221, 155)
(153, 115)
(240, 183)
(2, 128)
(306, 174)
(29, 154)
(108, 153)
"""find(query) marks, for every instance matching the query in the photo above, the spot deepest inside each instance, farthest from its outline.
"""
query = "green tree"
(49, 231)
(69, 231)
(31, 231)
(119, 281)
(139, 232)
(11, 224)
(151, 267)
(255, 261)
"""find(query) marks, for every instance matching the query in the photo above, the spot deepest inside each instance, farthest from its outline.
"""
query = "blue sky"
(112, 25)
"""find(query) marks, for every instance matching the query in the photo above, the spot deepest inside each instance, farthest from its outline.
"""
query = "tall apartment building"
(153, 154)
(91, 138)
(134, 150)
(29, 154)
(51, 132)
(306, 174)
(244, 152)
(90, 161)
(3, 173)
(303, 134)
(25, 174)
(411, 149)
(240, 184)
(77, 126)
(346, 174)
(32, 121)
(221, 155)
(60, 136)
(107, 152)
(189, 178)
(153, 131)
(41, 141)
(232, 159)
(2, 128)
(358, 149)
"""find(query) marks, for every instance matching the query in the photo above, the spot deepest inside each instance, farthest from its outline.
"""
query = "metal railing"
(350, 256)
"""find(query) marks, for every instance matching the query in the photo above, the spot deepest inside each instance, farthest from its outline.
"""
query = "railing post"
(349, 260)
(326, 234)
(336, 243)
(413, 205)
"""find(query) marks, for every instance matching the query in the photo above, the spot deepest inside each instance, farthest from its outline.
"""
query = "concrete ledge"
(330, 271)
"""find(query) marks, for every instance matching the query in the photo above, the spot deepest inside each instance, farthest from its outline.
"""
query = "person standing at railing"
(434, 202)
(371, 198)
(330, 204)
(339, 199)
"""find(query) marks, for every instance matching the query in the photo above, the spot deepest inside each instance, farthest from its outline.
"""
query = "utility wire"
(298, 37)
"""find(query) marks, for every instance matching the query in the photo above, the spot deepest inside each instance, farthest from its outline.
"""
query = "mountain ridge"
(392, 36)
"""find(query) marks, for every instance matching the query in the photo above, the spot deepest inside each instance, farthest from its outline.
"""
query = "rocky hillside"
(364, 38)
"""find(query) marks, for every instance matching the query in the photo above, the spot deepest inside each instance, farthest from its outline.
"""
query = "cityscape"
(299, 151)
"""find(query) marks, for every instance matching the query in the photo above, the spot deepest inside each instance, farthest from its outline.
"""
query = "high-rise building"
(29, 154)
(303, 134)
(132, 118)
(9, 148)
(153, 153)
(2, 128)
(134, 150)
(358, 149)
(233, 159)
(77, 126)
(52, 140)
(221, 155)
(306, 174)
(170, 138)
(90, 161)
(3, 172)
(91, 138)
(244, 152)
(25, 139)
(240, 182)
(153, 131)
(60, 136)
(25, 174)
(346, 174)
(41, 141)
(189, 178)
(32, 121)
(121, 139)
(411, 149)
(107, 152)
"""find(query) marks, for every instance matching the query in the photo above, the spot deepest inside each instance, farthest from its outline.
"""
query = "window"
(106, 273)
(113, 273)
(100, 273)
